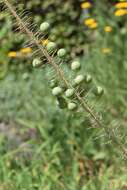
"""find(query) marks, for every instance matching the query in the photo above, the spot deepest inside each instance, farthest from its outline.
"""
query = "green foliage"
(49, 148)
(63, 16)
(42, 146)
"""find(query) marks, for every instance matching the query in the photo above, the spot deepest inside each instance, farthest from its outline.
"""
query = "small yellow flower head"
(89, 21)
(108, 29)
(44, 42)
(94, 25)
(12, 54)
(120, 12)
(86, 5)
(121, 5)
(26, 50)
(106, 50)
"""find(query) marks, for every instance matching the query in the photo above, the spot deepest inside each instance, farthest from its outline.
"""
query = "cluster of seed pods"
(66, 95)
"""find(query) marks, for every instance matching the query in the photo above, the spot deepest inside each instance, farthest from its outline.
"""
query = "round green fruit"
(61, 53)
(72, 106)
(99, 91)
(79, 79)
(69, 93)
(57, 91)
(36, 62)
(44, 27)
(75, 65)
(88, 78)
(51, 46)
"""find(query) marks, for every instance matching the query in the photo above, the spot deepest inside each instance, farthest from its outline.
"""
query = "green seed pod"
(36, 62)
(61, 53)
(79, 79)
(75, 65)
(51, 46)
(57, 91)
(53, 83)
(72, 106)
(99, 91)
(44, 27)
(88, 78)
(69, 93)
(61, 102)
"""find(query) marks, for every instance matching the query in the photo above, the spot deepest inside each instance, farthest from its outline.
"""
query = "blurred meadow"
(44, 147)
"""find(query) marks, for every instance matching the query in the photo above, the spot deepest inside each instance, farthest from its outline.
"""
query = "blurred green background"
(43, 147)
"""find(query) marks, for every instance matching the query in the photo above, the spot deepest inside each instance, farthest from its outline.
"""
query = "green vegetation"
(43, 146)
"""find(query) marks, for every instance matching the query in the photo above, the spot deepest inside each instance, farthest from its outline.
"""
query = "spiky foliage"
(66, 14)
(80, 85)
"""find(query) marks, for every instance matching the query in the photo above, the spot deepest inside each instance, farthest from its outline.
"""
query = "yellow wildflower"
(120, 12)
(12, 54)
(106, 50)
(94, 25)
(108, 29)
(121, 5)
(89, 21)
(45, 42)
(86, 5)
(26, 50)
